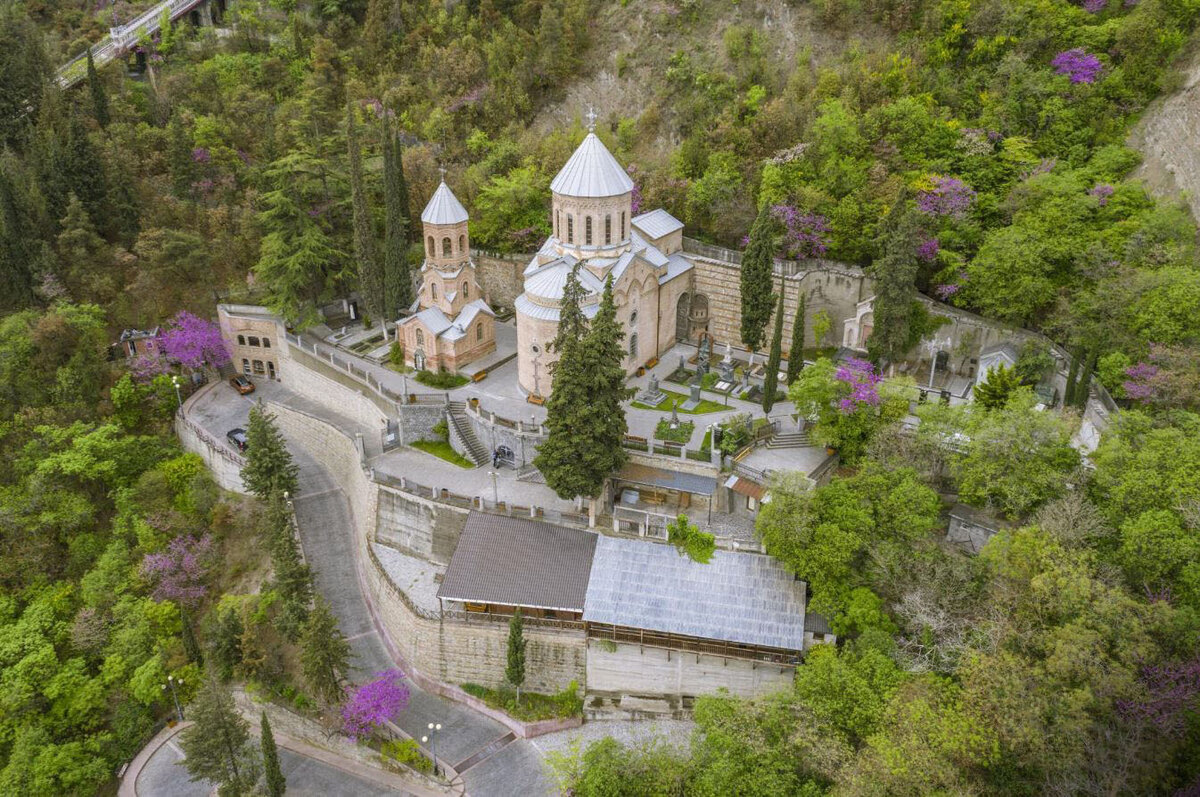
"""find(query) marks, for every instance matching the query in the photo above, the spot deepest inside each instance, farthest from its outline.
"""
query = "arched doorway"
(419, 360)
(683, 316)
(699, 315)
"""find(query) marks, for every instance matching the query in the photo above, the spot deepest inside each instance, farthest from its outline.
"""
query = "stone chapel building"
(594, 226)
(451, 324)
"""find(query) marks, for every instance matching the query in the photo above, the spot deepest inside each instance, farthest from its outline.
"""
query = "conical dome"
(444, 207)
(591, 172)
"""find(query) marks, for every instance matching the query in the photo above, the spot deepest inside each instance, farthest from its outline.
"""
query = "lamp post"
(178, 397)
(171, 681)
(431, 740)
(495, 489)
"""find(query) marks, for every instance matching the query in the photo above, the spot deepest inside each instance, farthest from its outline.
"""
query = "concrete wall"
(635, 671)
(222, 464)
(418, 525)
(322, 383)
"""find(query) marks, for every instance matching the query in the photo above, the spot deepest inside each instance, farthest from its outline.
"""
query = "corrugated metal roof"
(548, 281)
(592, 171)
(657, 223)
(517, 562)
(745, 487)
(525, 307)
(443, 207)
(736, 597)
(676, 264)
(668, 479)
(432, 317)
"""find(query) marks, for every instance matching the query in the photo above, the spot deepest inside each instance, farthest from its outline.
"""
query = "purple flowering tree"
(1102, 192)
(374, 703)
(928, 249)
(949, 197)
(636, 197)
(805, 234)
(194, 342)
(1078, 65)
(863, 383)
(178, 573)
(1171, 691)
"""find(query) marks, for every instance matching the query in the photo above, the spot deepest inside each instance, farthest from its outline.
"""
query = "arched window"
(429, 246)
(445, 247)
(570, 229)
(622, 225)
(587, 231)
(266, 343)
(558, 223)
(633, 318)
(433, 291)
(633, 346)
(254, 341)
(241, 341)
(259, 368)
(607, 229)
(420, 338)
(462, 244)
(479, 331)
(466, 290)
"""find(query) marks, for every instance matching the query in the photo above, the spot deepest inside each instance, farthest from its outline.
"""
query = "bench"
(479, 376)
(535, 399)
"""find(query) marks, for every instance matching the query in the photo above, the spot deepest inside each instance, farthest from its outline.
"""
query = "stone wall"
(225, 467)
(321, 382)
(417, 421)
(501, 276)
(420, 526)
(492, 435)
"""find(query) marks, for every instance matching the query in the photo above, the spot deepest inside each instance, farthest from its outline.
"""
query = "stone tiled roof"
(517, 562)
(443, 207)
(736, 597)
(592, 171)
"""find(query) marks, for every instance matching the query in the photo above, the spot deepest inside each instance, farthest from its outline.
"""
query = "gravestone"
(693, 400)
(725, 369)
(652, 395)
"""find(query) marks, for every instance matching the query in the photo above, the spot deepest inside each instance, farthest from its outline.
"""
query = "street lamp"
(178, 398)
(431, 740)
(495, 489)
(172, 681)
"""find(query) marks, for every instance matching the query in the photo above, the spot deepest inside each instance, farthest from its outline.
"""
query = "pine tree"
(796, 352)
(50, 158)
(190, 646)
(771, 379)
(1001, 382)
(99, 96)
(895, 309)
(514, 671)
(24, 73)
(276, 783)
(269, 468)
(324, 654)
(397, 278)
(214, 745)
(16, 239)
(370, 278)
(85, 168)
(123, 217)
(293, 579)
(179, 158)
(86, 259)
(602, 358)
(758, 266)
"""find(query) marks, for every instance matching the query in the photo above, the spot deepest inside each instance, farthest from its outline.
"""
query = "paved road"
(326, 531)
(165, 776)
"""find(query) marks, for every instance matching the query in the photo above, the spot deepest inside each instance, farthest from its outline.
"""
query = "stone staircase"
(530, 473)
(789, 440)
(459, 427)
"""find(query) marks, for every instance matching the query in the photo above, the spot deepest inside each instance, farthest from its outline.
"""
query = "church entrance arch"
(419, 360)
(683, 314)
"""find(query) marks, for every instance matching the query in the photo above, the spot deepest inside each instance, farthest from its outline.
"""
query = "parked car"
(237, 438)
(241, 384)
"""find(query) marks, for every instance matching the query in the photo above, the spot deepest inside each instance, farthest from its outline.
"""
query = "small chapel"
(593, 226)
(451, 325)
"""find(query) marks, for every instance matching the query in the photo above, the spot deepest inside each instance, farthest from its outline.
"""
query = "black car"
(237, 438)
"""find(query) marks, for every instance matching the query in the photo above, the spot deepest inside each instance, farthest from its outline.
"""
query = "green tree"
(84, 167)
(397, 277)
(276, 783)
(24, 72)
(99, 96)
(1002, 382)
(688, 539)
(370, 273)
(179, 158)
(292, 578)
(896, 310)
(324, 654)
(17, 253)
(796, 352)
(758, 266)
(269, 468)
(508, 203)
(87, 261)
(771, 378)
(514, 670)
(124, 219)
(602, 364)
(215, 743)
(1083, 388)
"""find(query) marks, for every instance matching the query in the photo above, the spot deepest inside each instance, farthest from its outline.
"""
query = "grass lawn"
(674, 399)
(680, 434)
(533, 706)
(400, 369)
(440, 448)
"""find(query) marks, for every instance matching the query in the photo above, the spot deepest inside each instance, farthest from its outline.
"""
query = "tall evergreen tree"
(324, 654)
(24, 73)
(602, 363)
(897, 313)
(1072, 383)
(273, 774)
(179, 158)
(370, 276)
(84, 167)
(758, 268)
(771, 379)
(796, 352)
(50, 159)
(16, 253)
(123, 217)
(269, 467)
(292, 578)
(558, 458)
(1002, 382)
(514, 670)
(214, 745)
(1083, 388)
(398, 288)
(99, 96)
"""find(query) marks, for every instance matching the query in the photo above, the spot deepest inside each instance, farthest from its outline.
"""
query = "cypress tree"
(514, 671)
(292, 578)
(558, 458)
(796, 352)
(123, 216)
(16, 239)
(771, 379)
(370, 278)
(99, 96)
(269, 468)
(85, 169)
(397, 278)
(897, 328)
(602, 358)
(276, 782)
(758, 266)
(214, 744)
(190, 646)
(324, 654)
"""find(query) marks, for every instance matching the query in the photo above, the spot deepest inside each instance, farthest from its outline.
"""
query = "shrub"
(442, 380)
(682, 433)
(405, 752)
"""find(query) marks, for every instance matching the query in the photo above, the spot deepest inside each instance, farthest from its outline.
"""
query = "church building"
(594, 226)
(451, 324)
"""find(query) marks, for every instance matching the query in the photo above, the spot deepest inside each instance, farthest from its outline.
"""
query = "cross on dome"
(591, 117)
(442, 172)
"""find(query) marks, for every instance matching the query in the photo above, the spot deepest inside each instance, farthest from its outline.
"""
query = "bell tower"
(448, 275)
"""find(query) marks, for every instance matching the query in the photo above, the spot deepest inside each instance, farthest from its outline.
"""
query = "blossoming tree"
(373, 704)
(847, 403)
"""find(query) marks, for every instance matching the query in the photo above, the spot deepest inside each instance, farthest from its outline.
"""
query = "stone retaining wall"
(223, 464)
